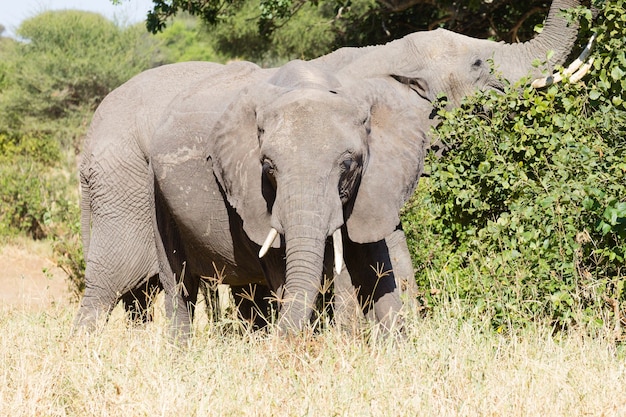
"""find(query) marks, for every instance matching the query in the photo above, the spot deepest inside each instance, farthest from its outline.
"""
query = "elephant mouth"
(337, 247)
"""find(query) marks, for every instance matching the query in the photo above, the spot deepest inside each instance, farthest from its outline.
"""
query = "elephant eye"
(346, 165)
(269, 171)
(268, 167)
(366, 123)
(349, 178)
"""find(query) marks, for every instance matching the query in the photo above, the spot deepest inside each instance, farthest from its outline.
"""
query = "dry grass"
(445, 367)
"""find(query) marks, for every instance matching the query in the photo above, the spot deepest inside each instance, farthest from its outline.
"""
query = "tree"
(359, 22)
(71, 59)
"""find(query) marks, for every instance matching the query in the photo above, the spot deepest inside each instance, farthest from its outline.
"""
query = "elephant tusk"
(581, 58)
(271, 237)
(578, 75)
(572, 69)
(338, 251)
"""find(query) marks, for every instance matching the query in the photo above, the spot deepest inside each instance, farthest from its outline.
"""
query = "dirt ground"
(29, 278)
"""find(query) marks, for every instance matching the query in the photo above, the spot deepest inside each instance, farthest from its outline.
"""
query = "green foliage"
(70, 61)
(306, 35)
(349, 22)
(531, 203)
(25, 189)
(68, 248)
(187, 39)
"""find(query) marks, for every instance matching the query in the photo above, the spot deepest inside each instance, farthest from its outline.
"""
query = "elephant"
(444, 62)
(307, 162)
(123, 244)
(117, 208)
(117, 178)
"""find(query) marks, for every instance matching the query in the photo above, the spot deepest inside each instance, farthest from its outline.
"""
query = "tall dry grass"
(444, 367)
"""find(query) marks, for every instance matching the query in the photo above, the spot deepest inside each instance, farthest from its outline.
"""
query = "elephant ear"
(235, 155)
(397, 145)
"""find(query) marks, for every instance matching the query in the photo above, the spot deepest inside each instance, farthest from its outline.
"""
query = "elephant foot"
(90, 319)
(179, 315)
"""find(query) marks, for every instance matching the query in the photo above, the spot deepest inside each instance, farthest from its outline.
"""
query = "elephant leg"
(347, 311)
(179, 285)
(120, 238)
(402, 265)
(372, 275)
(253, 304)
(273, 266)
(181, 293)
(95, 306)
(116, 265)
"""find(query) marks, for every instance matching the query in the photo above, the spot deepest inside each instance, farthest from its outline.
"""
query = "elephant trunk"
(304, 264)
(306, 221)
(515, 60)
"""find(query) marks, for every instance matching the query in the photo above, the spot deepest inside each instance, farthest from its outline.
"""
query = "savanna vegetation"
(526, 214)
(517, 234)
(448, 365)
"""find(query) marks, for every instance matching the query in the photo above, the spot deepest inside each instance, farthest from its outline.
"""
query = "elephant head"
(443, 62)
(306, 162)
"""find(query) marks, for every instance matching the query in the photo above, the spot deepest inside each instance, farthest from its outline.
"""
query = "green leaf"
(617, 73)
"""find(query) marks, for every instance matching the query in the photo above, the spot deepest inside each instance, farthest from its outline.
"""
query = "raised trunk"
(515, 61)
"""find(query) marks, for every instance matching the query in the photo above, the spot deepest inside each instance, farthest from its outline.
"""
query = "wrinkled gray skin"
(117, 203)
(118, 197)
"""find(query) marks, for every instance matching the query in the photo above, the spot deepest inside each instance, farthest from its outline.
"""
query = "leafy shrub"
(531, 203)
(24, 184)
(68, 249)
(70, 61)
(187, 39)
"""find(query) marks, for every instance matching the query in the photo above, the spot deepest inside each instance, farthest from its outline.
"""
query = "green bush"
(531, 204)
(24, 185)
(69, 61)
(187, 39)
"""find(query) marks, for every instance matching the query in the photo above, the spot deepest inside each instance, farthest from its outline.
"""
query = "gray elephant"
(303, 163)
(443, 62)
(117, 203)
(118, 193)
(115, 175)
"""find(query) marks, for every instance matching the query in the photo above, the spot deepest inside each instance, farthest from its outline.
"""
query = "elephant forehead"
(307, 96)
(303, 138)
(299, 111)
(313, 121)
(437, 44)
